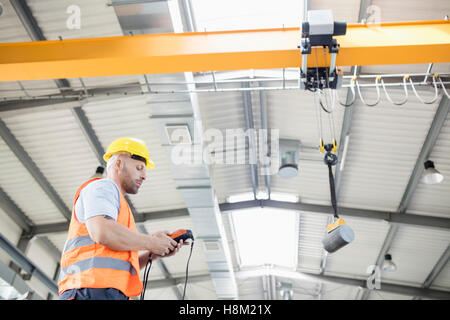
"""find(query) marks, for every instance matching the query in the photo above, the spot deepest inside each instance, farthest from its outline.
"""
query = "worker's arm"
(112, 234)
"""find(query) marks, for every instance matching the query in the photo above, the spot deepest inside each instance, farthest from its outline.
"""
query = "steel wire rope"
(318, 118)
(318, 93)
(330, 114)
(319, 123)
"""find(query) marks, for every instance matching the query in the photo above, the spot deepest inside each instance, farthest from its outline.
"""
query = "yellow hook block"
(321, 146)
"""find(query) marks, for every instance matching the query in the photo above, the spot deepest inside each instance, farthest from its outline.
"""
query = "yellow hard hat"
(135, 147)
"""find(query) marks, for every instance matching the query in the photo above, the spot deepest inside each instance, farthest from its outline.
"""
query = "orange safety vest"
(86, 264)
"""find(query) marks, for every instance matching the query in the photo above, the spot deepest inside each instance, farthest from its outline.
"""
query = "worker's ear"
(119, 163)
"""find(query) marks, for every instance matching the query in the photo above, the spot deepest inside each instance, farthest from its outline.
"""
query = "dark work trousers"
(93, 294)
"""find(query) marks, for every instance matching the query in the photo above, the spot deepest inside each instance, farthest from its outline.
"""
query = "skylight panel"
(266, 236)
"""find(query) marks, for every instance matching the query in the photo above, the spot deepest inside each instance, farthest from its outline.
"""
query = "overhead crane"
(363, 44)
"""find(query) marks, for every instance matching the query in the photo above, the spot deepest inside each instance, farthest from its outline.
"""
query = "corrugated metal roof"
(96, 19)
(416, 10)
(21, 187)
(222, 110)
(442, 282)
(57, 145)
(39, 87)
(58, 240)
(342, 10)
(225, 182)
(11, 89)
(11, 231)
(144, 17)
(11, 26)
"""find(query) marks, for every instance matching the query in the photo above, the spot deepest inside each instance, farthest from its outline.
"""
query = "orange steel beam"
(387, 43)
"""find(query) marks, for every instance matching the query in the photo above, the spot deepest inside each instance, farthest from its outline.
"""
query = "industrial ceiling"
(54, 132)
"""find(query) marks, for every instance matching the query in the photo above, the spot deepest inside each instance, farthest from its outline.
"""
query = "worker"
(100, 260)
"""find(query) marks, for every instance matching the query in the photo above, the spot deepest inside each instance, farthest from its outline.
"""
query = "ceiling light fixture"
(431, 175)
(388, 264)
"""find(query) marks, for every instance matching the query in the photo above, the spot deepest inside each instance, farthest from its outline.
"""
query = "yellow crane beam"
(386, 43)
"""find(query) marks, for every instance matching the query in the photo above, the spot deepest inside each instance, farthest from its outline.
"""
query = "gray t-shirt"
(98, 198)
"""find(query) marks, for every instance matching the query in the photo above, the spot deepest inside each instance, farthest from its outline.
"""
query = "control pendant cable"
(182, 234)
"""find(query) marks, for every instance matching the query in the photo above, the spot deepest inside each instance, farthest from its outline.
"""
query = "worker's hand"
(161, 243)
(175, 250)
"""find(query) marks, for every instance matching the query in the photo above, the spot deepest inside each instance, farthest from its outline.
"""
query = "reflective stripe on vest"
(77, 242)
(97, 262)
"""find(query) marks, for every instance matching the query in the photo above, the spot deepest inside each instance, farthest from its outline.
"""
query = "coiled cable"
(377, 79)
(404, 87)
(435, 91)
